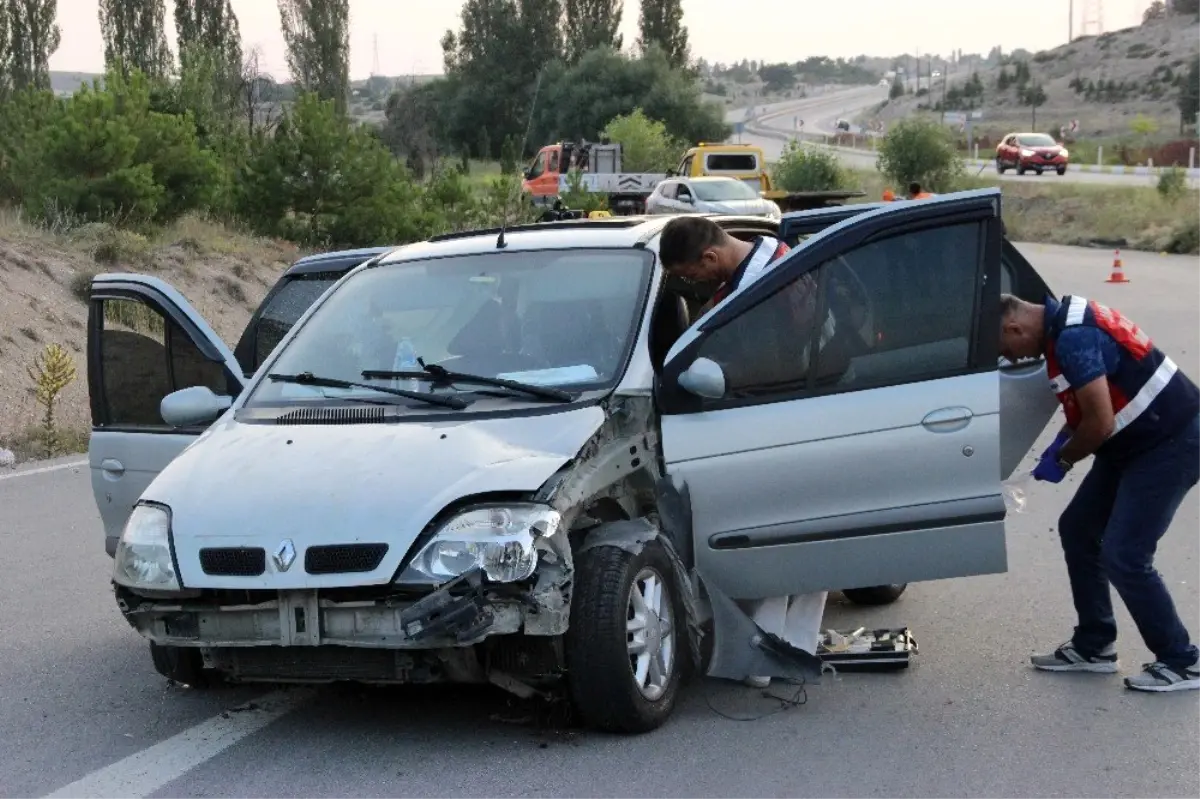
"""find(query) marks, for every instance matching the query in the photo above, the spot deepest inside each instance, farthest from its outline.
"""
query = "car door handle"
(112, 468)
(947, 420)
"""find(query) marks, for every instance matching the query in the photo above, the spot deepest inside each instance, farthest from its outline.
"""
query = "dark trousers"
(1110, 531)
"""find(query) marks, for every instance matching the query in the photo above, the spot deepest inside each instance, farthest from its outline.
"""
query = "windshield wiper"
(441, 374)
(309, 379)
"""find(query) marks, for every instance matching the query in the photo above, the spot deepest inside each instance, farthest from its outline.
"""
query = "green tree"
(921, 150)
(646, 145)
(777, 77)
(135, 36)
(1033, 96)
(1189, 95)
(105, 155)
(413, 122)
(808, 169)
(661, 25)
(581, 100)
(496, 63)
(33, 36)
(212, 26)
(589, 24)
(5, 53)
(323, 181)
(317, 35)
(897, 89)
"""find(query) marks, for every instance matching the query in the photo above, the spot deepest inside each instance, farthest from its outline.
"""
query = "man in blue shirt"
(1131, 407)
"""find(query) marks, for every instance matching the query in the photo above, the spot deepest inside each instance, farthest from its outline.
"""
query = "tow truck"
(600, 169)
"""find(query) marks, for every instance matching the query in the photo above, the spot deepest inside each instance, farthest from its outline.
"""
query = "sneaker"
(1068, 658)
(1161, 678)
(758, 682)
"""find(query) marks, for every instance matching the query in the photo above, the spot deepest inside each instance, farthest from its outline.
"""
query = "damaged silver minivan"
(511, 457)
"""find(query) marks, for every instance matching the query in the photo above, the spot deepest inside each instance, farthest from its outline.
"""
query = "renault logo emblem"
(285, 555)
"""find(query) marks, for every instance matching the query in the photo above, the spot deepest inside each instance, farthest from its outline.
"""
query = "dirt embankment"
(44, 280)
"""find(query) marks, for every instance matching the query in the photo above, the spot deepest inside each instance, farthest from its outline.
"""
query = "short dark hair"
(685, 238)
(914, 188)
(1009, 305)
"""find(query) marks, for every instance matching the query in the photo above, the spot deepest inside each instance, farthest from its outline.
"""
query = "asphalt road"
(776, 123)
(82, 712)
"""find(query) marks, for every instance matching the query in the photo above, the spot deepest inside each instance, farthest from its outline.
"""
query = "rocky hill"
(1104, 81)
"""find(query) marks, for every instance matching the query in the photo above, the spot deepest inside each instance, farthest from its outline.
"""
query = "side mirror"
(528, 173)
(191, 406)
(704, 378)
(686, 199)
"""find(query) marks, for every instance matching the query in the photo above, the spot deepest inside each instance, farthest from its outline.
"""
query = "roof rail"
(566, 224)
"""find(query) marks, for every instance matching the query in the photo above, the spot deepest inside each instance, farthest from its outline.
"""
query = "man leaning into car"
(700, 251)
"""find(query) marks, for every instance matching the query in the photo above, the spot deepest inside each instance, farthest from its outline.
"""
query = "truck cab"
(743, 162)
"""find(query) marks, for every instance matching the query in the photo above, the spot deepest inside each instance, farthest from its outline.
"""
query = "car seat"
(670, 320)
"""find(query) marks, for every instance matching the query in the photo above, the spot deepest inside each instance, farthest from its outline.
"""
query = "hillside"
(1138, 66)
(44, 280)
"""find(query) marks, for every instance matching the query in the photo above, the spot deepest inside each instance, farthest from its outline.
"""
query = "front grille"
(233, 561)
(1048, 156)
(342, 558)
(367, 415)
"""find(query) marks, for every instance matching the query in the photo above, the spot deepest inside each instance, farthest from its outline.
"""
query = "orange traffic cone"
(1118, 271)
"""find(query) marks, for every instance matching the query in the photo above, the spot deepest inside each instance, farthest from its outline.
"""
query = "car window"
(285, 308)
(1036, 140)
(667, 189)
(554, 161)
(732, 162)
(562, 317)
(145, 356)
(724, 189)
(539, 165)
(683, 191)
(890, 312)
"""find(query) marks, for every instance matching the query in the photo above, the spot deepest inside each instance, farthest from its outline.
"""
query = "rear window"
(732, 162)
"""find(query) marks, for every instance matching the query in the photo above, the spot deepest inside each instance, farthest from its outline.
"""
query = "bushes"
(921, 150)
(808, 169)
(646, 146)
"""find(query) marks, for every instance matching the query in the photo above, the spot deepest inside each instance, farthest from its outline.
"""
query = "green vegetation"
(804, 168)
(918, 149)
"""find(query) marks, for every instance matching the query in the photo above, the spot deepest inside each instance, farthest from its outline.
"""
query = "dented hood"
(258, 485)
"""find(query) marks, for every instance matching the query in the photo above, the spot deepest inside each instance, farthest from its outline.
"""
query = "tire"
(1039, 171)
(1000, 167)
(1020, 169)
(601, 674)
(1062, 170)
(875, 595)
(183, 665)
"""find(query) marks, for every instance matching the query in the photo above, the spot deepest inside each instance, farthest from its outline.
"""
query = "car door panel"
(144, 341)
(894, 479)
(796, 225)
(1027, 404)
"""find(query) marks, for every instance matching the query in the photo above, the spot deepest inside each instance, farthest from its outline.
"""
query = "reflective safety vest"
(922, 196)
(1151, 398)
(766, 252)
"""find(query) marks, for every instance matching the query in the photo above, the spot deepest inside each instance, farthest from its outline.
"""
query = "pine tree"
(135, 36)
(588, 24)
(317, 34)
(33, 36)
(661, 25)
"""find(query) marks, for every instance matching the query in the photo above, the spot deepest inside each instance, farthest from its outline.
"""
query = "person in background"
(915, 192)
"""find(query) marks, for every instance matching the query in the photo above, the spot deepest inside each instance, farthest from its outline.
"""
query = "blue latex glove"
(1048, 468)
(1055, 445)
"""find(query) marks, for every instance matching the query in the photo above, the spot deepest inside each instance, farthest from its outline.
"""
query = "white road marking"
(42, 470)
(143, 773)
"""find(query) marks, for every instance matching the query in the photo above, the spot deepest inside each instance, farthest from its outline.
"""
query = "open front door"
(144, 342)
(1026, 401)
(852, 438)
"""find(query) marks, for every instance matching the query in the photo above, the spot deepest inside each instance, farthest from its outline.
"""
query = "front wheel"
(1000, 167)
(1062, 170)
(875, 595)
(626, 643)
(184, 665)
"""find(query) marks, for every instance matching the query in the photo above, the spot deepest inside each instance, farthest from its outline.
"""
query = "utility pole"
(1070, 21)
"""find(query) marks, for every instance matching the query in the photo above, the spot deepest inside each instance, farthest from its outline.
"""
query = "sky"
(409, 31)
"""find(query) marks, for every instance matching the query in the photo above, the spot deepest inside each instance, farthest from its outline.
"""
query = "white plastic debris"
(7, 458)
(1015, 492)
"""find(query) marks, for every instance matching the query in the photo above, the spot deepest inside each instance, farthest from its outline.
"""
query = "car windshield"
(723, 190)
(549, 317)
(1037, 140)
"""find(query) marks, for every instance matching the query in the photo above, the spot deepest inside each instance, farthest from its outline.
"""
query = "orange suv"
(1026, 151)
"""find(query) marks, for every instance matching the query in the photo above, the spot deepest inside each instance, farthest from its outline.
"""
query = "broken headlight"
(497, 539)
(143, 557)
